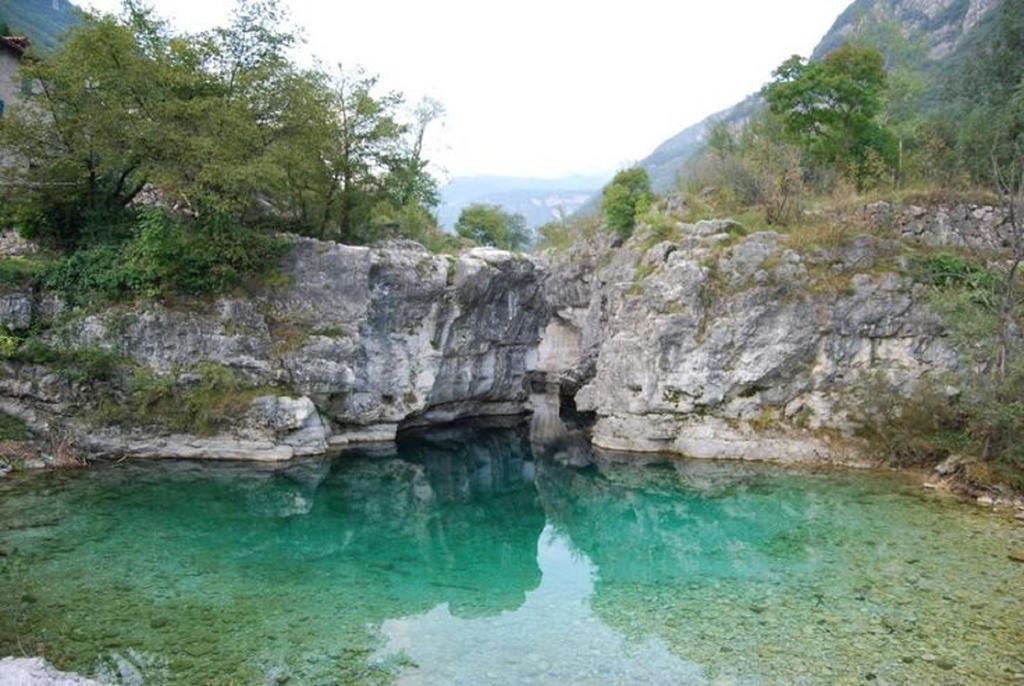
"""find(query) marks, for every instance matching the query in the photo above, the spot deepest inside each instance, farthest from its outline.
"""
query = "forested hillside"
(933, 39)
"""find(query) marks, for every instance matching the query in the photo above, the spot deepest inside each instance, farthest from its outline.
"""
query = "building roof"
(16, 44)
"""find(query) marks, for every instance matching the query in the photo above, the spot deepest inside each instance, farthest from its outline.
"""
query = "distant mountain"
(940, 30)
(539, 200)
(44, 21)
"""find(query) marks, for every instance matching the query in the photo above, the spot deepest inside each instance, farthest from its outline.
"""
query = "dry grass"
(65, 453)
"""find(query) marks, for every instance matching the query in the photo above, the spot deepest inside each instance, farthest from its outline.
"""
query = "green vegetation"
(210, 398)
(830, 109)
(12, 428)
(77, 365)
(491, 225)
(624, 199)
(222, 132)
(978, 117)
(977, 413)
(561, 234)
(17, 271)
(876, 119)
(165, 256)
(875, 114)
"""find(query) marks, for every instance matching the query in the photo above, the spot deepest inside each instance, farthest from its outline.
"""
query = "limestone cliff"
(352, 344)
(700, 339)
(720, 344)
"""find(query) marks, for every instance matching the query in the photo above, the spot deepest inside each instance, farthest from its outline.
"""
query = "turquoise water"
(461, 558)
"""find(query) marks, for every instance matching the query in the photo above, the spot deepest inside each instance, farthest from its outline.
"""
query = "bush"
(946, 270)
(966, 296)
(923, 429)
(204, 402)
(12, 428)
(77, 365)
(562, 234)
(18, 271)
(625, 198)
(165, 256)
(486, 224)
(758, 169)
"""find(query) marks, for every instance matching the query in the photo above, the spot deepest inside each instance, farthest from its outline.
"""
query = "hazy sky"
(551, 87)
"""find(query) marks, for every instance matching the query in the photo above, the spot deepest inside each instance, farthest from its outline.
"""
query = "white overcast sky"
(551, 87)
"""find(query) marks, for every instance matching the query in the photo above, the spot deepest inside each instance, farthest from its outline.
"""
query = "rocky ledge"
(700, 339)
(349, 344)
(719, 344)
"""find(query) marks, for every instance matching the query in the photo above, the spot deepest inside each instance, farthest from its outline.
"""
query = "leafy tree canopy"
(222, 132)
(221, 123)
(831, 108)
(491, 225)
(624, 198)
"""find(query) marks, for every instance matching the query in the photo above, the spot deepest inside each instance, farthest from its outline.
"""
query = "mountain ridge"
(944, 27)
(539, 200)
(43, 21)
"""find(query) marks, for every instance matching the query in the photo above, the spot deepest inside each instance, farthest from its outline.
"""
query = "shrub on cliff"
(625, 198)
(490, 225)
(165, 256)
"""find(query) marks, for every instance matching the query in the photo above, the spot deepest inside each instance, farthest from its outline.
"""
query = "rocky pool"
(472, 557)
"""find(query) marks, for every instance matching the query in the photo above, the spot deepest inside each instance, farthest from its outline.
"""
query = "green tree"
(222, 123)
(85, 159)
(349, 151)
(831, 109)
(774, 165)
(124, 104)
(490, 225)
(624, 198)
(721, 141)
(985, 93)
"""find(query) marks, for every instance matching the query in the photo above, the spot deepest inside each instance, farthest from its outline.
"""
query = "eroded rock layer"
(348, 344)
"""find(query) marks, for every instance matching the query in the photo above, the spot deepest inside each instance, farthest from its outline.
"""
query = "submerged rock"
(35, 671)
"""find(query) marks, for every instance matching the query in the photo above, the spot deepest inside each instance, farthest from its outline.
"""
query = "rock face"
(961, 225)
(719, 345)
(704, 341)
(355, 343)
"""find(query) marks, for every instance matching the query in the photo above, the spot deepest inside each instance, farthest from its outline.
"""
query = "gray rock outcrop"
(705, 341)
(973, 226)
(350, 343)
(719, 345)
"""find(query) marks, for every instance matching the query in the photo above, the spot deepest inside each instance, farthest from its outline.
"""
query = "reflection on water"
(531, 642)
(491, 555)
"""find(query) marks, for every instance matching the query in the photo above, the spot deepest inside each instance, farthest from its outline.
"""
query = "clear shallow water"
(463, 559)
